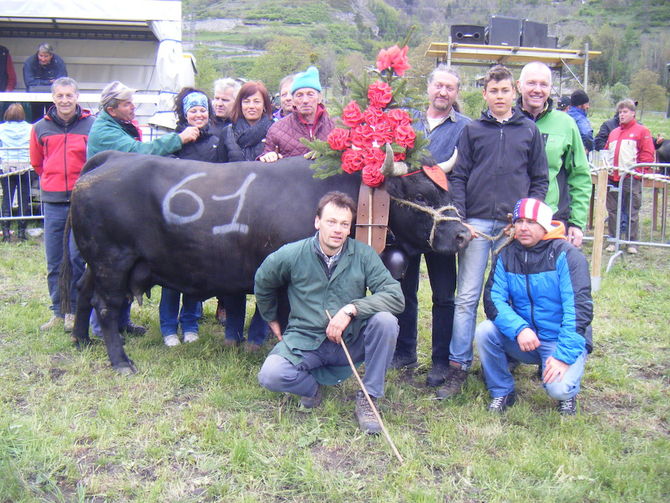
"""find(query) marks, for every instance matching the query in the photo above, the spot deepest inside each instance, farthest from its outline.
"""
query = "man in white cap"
(538, 304)
(115, 129)
(308, 120)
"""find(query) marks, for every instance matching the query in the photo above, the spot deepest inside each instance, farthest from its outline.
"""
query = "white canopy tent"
(135, 41)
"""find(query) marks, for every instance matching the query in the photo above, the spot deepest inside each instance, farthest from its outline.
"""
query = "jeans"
(124, 319)
(442, 276)
(494, 350)
(236, 310)
(55, 215)
(374, 345)
(472, 263)
(170, 315)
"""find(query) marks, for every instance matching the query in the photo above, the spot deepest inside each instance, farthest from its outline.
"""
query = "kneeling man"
(538, 304)
(325, 275)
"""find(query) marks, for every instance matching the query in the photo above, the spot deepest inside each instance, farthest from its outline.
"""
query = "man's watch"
(349, 312)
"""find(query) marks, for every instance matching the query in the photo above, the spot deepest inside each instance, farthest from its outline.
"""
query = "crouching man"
(538, 304)
(328, 275)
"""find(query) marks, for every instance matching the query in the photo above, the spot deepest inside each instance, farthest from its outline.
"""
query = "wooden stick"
(367, 396)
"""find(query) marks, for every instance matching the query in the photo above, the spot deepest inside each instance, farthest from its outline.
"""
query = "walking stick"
(367, 396)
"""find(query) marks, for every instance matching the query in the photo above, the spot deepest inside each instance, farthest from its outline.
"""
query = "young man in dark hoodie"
(538, 304)
(501, 159)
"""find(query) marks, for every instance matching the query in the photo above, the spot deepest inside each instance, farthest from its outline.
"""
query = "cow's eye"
(420, 198)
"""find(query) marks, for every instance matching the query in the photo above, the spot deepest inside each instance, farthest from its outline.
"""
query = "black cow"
(663, 155)
(203, 229)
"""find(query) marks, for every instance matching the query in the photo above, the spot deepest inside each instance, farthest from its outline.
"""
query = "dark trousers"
(442, 277)
(19, 184)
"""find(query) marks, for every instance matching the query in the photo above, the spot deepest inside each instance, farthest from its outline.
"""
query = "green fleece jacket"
(311, 293)
(108, 134)
(569, 189)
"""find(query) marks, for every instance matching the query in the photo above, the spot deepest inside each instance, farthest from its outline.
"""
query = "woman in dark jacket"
(244, 138)
(244, 141)
(193, 108)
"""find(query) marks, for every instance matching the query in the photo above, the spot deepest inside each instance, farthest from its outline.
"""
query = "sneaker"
(500, 403)
(190, 336)
(68, 323)
(568, 407)
(400, 362)
(311, 402)
(171, 340)
(632, 250)
(453, 383)
(367, 421)
(133, 329)
(437, 375)
(54, 322)
(610, 248)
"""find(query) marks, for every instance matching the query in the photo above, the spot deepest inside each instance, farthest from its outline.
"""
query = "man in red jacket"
(631, 143)
(58, 153)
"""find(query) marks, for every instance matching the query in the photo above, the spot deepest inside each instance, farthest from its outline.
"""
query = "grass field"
(194, 426)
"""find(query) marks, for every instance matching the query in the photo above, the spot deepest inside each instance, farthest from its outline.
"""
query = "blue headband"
(195, 100)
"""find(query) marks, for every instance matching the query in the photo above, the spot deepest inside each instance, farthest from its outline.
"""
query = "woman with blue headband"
(193, 108)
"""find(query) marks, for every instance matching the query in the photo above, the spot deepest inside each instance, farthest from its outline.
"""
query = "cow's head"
(423, 217)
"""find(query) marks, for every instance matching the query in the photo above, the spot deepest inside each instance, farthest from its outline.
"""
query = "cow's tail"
(65, 276)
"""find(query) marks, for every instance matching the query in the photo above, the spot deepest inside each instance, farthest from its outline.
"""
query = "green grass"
(194, 426)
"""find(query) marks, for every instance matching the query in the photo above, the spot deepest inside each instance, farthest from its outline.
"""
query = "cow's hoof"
(127, 369)
(81, 343)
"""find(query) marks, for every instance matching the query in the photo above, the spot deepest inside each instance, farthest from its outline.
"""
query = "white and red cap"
(532, 209)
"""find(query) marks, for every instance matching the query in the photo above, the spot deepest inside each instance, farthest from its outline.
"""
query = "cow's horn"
(391, 168)
(448, 165)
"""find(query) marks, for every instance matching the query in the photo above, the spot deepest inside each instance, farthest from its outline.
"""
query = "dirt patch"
(334, 459)
(55, 373)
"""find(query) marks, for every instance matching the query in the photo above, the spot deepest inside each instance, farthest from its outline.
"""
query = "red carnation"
(373, 115)
(393, 58)
(338, 139)
(352, 115)
(380, 94)
(399, 156)
(372, 175)
(398, 117)
(404, 136)
(352, 160)
(362, 136)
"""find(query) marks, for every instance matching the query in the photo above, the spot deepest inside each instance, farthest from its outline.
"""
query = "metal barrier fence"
(20, 187)
(630, 213)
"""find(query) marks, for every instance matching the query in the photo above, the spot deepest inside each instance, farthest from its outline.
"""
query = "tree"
(645, 89)
(618, 92)
(283, 56)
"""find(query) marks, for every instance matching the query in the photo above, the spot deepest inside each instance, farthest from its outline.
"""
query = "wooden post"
(598, 224)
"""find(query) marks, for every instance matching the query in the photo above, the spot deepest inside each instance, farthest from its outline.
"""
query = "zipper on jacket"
(65, 162)
(530, 297)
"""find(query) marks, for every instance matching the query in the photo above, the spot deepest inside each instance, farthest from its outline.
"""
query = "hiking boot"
(190, 337)
(401, 362)
(567, 407)
(54, 322)
(311, 402)
(133, 329)
(500, 403)
(68, 323)
(437, 375)
(231, 343)
(171, 340)
(364, 415)
(252, 347)
(453, 383)
(632, 250)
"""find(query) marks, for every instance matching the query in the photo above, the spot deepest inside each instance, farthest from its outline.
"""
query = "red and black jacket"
(58, 153)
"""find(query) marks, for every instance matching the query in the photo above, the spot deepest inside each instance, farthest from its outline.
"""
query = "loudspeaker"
(467, 33)
(504, 31)
(534, 34)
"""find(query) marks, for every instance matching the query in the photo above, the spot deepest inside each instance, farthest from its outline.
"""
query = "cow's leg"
(84, 296)
(108, 310)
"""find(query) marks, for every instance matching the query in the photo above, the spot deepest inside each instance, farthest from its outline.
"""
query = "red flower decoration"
(352, 115)
(338, 139)
(352, 160)
(372, 176)
(362, 136)
(393, 58)
(380, 94)
(398, 117)
(404, 136)
(399, 156)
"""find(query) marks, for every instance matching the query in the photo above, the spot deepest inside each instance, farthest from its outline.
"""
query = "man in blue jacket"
(579, 106)
(43, 68)
(538, 304)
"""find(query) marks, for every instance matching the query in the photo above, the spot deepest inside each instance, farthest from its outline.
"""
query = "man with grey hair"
(225, 92)
(442, 125)
(569, 189)
(58, 153)
(43, 68)
(115, 128)
(285, 98)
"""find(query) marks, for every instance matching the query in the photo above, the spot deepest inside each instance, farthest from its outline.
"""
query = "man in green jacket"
(569, 189)
(327, 277)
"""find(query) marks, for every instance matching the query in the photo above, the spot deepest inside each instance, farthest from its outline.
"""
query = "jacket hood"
(557, 231)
